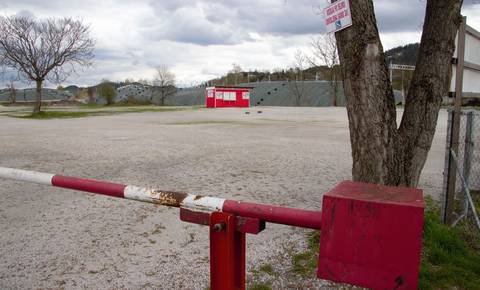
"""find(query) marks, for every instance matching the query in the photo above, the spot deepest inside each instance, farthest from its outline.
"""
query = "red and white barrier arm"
(268, 213)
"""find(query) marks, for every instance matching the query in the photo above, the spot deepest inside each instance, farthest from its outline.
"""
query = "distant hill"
(274, 93)
(406, 54)
(270, 88)
(72, 89)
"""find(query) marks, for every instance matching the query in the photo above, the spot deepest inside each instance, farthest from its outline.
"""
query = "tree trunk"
(370, 101)
(38, 103)
(381, 153)
(428, 85)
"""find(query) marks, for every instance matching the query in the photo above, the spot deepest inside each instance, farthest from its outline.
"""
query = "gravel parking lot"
(55, 238)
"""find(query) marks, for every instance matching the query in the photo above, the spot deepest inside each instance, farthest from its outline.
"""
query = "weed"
(305, 263)
(267, 268)
(450, 258)
(260, 286)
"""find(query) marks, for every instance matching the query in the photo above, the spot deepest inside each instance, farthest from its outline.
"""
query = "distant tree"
(40, 50)
(12, 98)
(164, 82)
(236, 71)
(128, 81)
(60, 88)
(107, 91)
(144, 82)
(92, 95)
(324, 53)
(278, 75)
(297, 85)
(406, 54)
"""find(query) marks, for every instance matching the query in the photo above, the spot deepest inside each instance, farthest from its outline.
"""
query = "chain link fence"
(468, 165)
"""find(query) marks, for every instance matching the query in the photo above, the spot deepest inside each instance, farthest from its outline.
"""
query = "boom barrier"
(371, 234)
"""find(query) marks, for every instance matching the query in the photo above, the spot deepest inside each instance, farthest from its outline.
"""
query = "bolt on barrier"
(371, 234)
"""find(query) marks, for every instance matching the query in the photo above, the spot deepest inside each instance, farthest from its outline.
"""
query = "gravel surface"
(56, 238)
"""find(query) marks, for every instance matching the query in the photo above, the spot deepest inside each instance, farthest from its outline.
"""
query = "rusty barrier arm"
(371, 234)
(268, 213)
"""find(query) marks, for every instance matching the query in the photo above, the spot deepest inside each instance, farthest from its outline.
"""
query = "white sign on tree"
(337, 16)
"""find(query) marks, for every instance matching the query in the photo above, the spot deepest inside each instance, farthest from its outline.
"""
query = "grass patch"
(90, 106)
(59, 115)
(451, 256)
(260, 286)
(261, 281)
(141, 109)
(305, 263)
(204, 122)
(91, 111)
(267, 268)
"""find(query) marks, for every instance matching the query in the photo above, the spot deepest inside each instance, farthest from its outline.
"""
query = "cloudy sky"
(201, 39)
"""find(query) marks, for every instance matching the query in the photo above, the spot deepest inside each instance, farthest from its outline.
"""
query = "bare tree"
(297, 87)
(324, 53)
(144, 82)
(236, 71)
(164, 82)
(13, 92)
(44, 50)
(382, 152)
(128, 81)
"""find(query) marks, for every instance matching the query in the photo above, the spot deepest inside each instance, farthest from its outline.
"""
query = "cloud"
(200, 39)
(230, 22)
(400, 15)
(25, 13)
(190, 25)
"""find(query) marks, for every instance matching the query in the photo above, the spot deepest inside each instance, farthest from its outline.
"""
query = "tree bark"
(428, 85)
(38, 102)
(382, 153)
(370, 101)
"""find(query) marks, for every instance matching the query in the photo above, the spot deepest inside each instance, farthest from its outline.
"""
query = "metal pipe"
(268, 213)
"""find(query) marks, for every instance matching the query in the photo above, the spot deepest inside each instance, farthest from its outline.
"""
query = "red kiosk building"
(223, 97)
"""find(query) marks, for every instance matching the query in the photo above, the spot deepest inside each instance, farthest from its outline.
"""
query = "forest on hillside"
(406, 54)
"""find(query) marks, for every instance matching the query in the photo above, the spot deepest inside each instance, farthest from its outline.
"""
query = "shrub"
(108, 92)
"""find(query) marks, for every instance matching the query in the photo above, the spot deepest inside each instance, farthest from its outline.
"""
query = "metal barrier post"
(227, 245)
(227, 253)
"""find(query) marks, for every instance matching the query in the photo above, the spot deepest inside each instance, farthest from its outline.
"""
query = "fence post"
(446, 169)
(468, 149)
(450, 197)
(467, 152)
